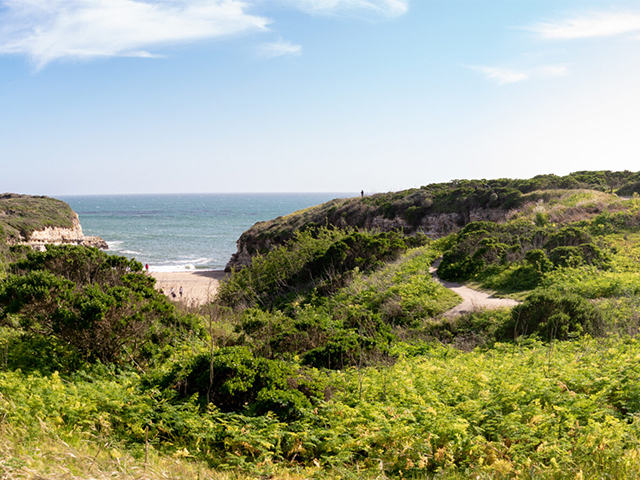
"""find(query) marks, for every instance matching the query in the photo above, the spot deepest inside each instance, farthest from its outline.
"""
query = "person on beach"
(181, 292)
(172, 292)
(146, 267)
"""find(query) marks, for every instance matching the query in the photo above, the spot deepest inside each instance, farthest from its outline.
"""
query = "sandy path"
(198, 287)
(472, 299)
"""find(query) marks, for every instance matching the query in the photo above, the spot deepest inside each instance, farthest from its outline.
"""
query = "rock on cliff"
(38, 239)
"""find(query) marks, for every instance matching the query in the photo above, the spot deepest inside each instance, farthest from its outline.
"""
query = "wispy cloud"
(502, 76)
(380, 8)
(279, 49)
(594, 24)
(550, 71)
(505, 76)
(48, 30)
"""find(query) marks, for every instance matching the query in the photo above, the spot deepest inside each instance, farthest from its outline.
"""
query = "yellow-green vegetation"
(329, 356)
(403, 292)
(528, 410)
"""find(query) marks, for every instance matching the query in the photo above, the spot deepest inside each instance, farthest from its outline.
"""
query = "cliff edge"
(37, 221)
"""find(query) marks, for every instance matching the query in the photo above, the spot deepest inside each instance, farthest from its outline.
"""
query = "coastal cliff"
(264, 236)
(434, 210)
(37, 221)
(38, 239)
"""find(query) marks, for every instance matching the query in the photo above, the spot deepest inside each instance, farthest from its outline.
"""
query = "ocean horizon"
(183, 232)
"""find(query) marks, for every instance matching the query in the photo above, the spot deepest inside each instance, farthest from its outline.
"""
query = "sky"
(180, 96)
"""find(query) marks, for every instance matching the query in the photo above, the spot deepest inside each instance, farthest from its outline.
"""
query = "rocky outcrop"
(95, 241)
(38, 239)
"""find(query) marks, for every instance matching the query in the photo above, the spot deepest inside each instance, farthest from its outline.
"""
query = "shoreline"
(199, 286)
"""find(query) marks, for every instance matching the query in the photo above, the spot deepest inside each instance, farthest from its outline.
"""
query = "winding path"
(471, 299)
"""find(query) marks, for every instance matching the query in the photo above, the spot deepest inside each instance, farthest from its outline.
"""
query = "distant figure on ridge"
(361, 193)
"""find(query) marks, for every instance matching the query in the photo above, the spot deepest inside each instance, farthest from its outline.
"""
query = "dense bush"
(512, 411)
(567, 237)
(102, 306)
(553, 315)
(515, 256)
(539, 260)
(468, 331)
(352, 326)
(235, 380)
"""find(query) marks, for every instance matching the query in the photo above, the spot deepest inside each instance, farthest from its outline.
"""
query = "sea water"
(176, 232)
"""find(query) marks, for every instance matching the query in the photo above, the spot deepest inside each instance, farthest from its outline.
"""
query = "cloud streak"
(592, 25)
(502, 76)
(506, 76)
(376, 8)
(279, 49)
(49, 30)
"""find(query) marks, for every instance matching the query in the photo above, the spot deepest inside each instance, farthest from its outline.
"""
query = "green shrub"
(235, 380)
(95, 303)
(570, 236)
(585, 254)
(470, 330)
(459, 266)
(414, 215)
(538, 259)
(541, 219)
(32, 352)
(340, 351)
(566, 257)
(553, 315)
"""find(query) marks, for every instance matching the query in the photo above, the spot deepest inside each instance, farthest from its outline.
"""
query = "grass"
(403, 291)
(51, 455)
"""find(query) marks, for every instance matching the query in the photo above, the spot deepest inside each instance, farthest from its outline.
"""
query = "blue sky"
(163, 96)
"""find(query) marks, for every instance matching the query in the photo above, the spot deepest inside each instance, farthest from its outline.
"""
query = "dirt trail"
(471, 299)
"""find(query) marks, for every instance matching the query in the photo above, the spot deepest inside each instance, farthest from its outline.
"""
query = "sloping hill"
(439, 209)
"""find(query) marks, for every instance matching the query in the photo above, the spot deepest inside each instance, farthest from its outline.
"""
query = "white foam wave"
(131, 252)
(177, 268)
(115, 245)
(200, 265)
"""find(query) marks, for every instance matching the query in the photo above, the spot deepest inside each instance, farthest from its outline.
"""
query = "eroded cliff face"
(38, 239)
(435, 225)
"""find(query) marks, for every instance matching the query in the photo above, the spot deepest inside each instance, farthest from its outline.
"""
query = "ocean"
(178, 232)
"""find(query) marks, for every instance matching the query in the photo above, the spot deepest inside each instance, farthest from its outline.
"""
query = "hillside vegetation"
(436, 209)
(329, 355)
(20, 215)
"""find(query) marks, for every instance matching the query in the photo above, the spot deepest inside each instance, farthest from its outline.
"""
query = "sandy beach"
(198, 286)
